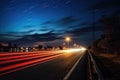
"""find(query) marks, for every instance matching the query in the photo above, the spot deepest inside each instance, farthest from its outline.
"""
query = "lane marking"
(71, 70)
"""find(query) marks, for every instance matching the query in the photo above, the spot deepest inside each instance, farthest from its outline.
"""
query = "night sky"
(48, 22)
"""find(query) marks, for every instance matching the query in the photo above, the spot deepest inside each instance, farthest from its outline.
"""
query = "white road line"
(71, 70)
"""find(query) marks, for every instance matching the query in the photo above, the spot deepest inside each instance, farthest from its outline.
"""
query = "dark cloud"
(80, 25)
(24, 32)
(105, 4)
(7, 34)
(62, 22)
(26, 38)
(46, 35)
(13, 35)
(84, 30)
(30, 39)
(44, 28)
(37, 28)
(66, 21)
(8, 37)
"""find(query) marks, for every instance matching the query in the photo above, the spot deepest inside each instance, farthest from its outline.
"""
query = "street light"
(68, 40)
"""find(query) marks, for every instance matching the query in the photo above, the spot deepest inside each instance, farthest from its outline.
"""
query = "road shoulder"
(109, 65)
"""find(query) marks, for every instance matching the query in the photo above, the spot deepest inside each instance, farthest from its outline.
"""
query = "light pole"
(68, 39)
(94, 35)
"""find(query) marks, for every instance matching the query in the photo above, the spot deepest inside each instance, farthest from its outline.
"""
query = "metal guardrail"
(94, 71)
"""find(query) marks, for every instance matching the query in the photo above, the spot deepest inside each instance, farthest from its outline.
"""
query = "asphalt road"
(57, 68)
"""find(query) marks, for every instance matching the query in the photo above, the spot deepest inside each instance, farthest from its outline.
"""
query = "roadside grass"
(109, 65)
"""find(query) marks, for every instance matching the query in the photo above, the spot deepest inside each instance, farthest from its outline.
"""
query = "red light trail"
(18, 61)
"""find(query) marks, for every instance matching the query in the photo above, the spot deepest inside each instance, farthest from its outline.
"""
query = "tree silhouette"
(40, 47)
(110, 39)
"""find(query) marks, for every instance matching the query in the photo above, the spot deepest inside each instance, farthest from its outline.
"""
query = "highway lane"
(54, 69)
(13, 62)
(81, 71)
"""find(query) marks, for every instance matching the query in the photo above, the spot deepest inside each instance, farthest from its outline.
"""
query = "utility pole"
(93, 24)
